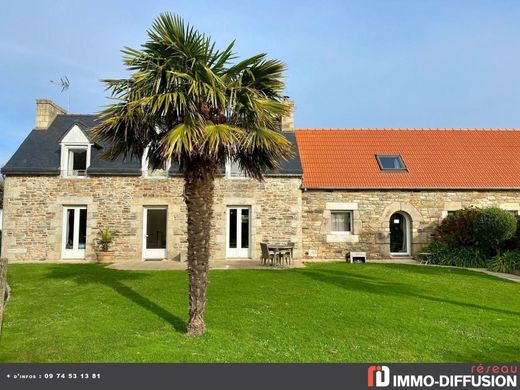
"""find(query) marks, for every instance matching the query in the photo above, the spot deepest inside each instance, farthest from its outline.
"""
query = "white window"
(74, 232)
(238, 232)
(77, 161)
(449, 213)
(75, 153)
(341, 221)
(149, 172)
(233, 170)
(155, 232)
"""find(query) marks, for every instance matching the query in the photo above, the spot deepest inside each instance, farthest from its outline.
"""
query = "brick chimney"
(46, 111)
(288, 119)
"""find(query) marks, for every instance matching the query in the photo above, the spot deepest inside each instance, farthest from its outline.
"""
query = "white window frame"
(148, 173)
(229, 173)
(153, 254)
(75, 252)
(350, 216)
(74, 139)
(451, 212)
(68, 171)
(238, 252)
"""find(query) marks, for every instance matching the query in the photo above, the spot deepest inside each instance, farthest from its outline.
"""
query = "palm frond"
(218, 136)
(185, 99)
(183, 139)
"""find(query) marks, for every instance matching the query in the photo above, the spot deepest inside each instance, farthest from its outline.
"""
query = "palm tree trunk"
(198, 195)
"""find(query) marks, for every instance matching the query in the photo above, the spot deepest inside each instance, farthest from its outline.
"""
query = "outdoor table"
(278, 249)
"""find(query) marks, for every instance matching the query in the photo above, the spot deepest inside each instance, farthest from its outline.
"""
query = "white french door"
(238, 237)
(155, 229)
(74, 232)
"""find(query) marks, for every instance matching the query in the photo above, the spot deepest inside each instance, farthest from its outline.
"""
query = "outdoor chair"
(267, 255)
(287, 256)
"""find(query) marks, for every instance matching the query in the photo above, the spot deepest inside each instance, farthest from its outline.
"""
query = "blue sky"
(366, 63)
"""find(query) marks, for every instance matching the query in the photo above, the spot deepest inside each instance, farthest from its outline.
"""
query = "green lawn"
(322, 313)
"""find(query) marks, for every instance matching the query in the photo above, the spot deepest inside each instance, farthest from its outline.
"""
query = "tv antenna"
(64, 83)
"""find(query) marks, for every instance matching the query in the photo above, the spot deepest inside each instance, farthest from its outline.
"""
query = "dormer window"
(77, 164)
(75, 153)
(149, 172)
(233, 170)
(390, 162)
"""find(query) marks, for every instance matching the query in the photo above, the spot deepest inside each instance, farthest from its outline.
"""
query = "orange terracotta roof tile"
(434, 158)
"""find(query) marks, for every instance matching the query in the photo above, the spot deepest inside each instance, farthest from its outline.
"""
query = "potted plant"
(105, 237)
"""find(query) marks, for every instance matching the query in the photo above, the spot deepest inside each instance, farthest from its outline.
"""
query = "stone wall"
(371, 215)
(276, 211)
(280, 212)
(34, 213)
(46, 112)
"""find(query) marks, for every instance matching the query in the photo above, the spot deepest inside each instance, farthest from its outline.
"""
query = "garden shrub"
(514, 242)
(507, 262)
(493, 226)
(457, 229)
(459, 256)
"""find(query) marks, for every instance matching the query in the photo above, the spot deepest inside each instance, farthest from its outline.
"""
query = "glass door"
(74, 232)
(155, 229)
(399, 235)
(238, 232)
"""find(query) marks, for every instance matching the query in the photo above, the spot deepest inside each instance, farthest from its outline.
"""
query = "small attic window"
(233, 170)
(148, 171)
(390, 162)
(77, 164)
(75, 153)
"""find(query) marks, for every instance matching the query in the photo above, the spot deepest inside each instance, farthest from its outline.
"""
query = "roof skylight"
(390, 162)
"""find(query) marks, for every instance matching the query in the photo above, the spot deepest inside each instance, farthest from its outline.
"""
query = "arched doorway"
(400, 234)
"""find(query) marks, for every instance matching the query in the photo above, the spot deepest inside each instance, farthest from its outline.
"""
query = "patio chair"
(267, 255)
(287, 256)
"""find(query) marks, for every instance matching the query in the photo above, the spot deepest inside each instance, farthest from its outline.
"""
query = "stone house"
(379, 191)
(383, 191)
(59, 193)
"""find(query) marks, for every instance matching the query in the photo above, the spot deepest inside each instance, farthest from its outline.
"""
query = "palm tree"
(189, 104)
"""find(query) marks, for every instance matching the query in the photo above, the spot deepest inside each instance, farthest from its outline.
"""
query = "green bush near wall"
(507, 262)
(457, 229)
(471, 237)
(458, 256)
(492, 227)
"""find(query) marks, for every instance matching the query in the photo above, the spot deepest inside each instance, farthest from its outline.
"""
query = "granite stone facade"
(34, 213)
(279, 212)
(371, 212)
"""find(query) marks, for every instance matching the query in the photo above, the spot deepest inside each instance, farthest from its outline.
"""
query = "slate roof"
(39, 154)
(434, 158)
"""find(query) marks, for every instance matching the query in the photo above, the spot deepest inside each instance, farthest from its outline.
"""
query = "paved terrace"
(215, 264)
(255, 264)
(226, 264)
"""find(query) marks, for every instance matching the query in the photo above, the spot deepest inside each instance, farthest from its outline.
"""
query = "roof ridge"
(95, 115)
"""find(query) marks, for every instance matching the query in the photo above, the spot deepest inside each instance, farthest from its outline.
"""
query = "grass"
(323, 313)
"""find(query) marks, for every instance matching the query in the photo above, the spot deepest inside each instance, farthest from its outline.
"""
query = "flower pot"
(104, 257)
